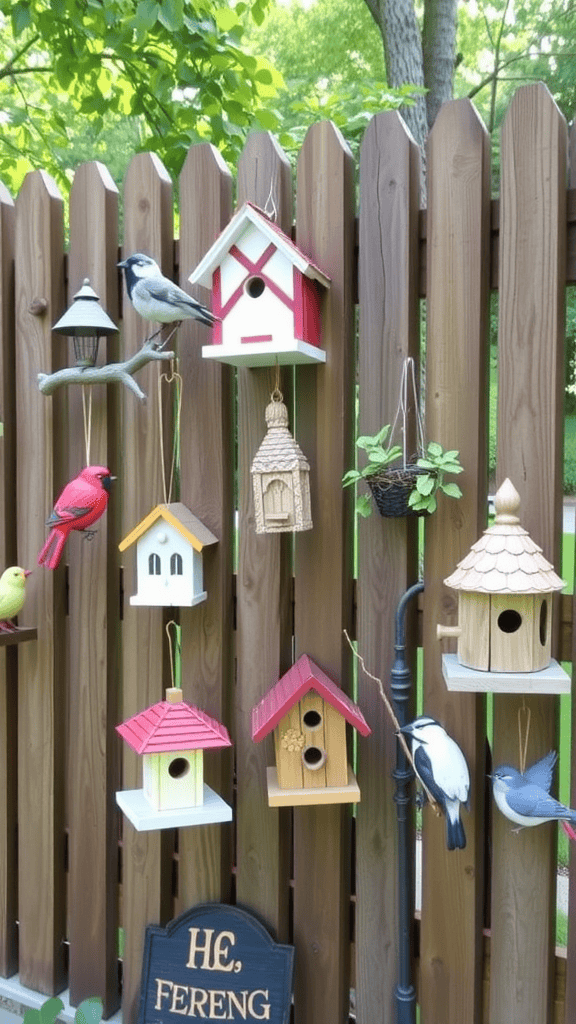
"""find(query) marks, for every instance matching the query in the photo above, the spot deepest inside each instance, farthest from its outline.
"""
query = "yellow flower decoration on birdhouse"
(292, 740)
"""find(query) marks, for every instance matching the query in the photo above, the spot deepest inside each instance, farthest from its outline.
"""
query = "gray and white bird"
(441, 767)
(525, 799)
(157, 298)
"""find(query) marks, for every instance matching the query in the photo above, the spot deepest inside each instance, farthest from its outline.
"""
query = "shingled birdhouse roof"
(173, 725)
(181, 518)
(295, 684)
(278, 451)
(505, 560)
(246, 215)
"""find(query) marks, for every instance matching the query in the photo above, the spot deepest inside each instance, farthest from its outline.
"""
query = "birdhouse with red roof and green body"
(171, 738)
(308, 713)
(266, 293)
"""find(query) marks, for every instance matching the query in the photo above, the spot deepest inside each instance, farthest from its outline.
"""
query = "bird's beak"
(27, 572)
(121, 264)
(112, 477)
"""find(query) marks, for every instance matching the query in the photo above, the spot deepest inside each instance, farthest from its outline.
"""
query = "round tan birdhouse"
(505, 587)
(280, 477)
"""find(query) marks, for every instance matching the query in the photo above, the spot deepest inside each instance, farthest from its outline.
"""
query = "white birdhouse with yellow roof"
(169, 550)
(505, 587)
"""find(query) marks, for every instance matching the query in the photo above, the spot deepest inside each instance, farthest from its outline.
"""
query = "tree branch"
(49, 382)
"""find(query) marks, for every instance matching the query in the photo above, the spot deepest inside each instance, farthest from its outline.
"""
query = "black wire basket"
(392, 488)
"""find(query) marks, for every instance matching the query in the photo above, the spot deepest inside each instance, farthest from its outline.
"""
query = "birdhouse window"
(178, 768)
(509, 621)
(314, 758)
(544, 623)
(312, 719)
(176, 566)
(254, 287)
(154, 565)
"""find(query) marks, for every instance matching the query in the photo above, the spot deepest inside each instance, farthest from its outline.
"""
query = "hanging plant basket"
(391, 491)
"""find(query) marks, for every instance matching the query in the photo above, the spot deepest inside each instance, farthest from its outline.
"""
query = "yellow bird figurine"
(12, 595)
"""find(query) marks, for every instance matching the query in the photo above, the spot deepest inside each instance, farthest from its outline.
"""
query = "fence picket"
(570, 995)
(323, 568)
(262, 599)
(147, 856)
(530, 402)
(205, 854)
(93, 623)
(41, 430)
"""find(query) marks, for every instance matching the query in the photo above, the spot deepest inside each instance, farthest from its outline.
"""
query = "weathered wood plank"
(8, 658)
(531, 323)
(41, 427)
(387, 549)
(323, 576)
(456, 417)
(263, 597)
(94, 613)
(147, 855)
(205, 863)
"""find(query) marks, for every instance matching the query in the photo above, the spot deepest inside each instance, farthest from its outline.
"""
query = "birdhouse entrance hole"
(314, 758)
(543, 623)
(178, 768)
(509, 621)
(312, 719)
(254, 287)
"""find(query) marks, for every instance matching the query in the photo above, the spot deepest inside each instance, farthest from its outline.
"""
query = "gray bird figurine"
(158, 299)
(525, 799)
(441, 767)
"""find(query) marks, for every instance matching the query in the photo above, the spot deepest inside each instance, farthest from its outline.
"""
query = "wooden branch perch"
(49, 382)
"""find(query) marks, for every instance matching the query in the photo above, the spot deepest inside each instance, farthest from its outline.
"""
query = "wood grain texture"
(456, 417)
(263, 595)
(147, 855)
(323, 563)
(531, 323)
(8, 658)
(205, 863)
(389, 332)
(41, 429)
(94, 623)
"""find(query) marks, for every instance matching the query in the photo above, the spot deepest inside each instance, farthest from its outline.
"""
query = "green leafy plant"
(89, 1012)
(433, 467)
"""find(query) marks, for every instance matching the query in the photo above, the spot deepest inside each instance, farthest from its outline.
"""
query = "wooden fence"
(71, 870)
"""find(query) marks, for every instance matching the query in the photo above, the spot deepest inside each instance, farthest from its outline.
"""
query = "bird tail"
(206, 317)
(455, 835)
(569, 831)
(51, 553)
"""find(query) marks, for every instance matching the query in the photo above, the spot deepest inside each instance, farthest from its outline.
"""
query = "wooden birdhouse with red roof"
(266, 292)
(171, 737)
(505, 590)
(308, 713)
(169, 551)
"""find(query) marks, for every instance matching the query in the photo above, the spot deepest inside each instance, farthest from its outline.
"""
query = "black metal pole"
(401, 686)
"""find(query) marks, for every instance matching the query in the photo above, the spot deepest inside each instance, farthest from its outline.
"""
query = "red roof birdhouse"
(172, 736)
(266, 292)
(308, 713)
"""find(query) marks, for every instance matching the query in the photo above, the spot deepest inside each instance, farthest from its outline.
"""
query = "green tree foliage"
(151, 75)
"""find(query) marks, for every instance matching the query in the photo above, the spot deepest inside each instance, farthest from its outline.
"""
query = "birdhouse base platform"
(257, 353)
(277, 797)
(161, 600)
(19, 635)
(552, 679)
(135, 806)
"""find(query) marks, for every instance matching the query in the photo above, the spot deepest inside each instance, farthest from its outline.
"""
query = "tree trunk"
(439, 49)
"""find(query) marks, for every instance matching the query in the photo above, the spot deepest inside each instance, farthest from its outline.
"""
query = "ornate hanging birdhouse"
(308, 713)
(169, 550)
(266, 292)
(280, 477)
(505, 587)
(172, 736)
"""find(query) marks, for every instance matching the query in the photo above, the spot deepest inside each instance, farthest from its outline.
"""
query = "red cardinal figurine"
(81, 503)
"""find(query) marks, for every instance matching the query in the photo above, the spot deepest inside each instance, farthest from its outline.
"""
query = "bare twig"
(433, 804)
(49, 382)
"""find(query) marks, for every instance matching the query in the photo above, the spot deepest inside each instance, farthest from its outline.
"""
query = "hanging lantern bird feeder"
(85, 322)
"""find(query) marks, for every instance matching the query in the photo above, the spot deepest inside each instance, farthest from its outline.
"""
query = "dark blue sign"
(215, 962)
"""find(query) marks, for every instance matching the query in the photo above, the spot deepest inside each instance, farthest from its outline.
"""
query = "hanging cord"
(173, 378)
(523, 740)
(170, 648)
(273, 212)
(407, 384)
(87, 414)
(396, 723)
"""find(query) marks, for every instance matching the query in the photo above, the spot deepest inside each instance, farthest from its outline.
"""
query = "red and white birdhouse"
(308, 713)
(171, 737)
(266, 292)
